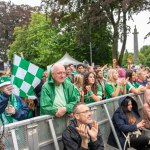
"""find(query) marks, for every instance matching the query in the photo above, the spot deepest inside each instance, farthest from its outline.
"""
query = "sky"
(140, 21)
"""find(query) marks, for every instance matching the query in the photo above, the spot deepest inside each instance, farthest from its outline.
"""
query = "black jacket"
(72, 140)
(121, 124)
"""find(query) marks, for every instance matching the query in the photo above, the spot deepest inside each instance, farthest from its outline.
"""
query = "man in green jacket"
(58, 95)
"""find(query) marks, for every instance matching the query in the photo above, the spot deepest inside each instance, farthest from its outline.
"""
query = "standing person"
(101, 82)
(92, 91)
(80, 68)
(78, 83)
(69, 75)
(114, 61)
(37, 92)
(141, 78)
(80, 135)
(146, 108)
(73, 70)
(12, 107)
(58, 95)
(132, 86)
(113, 86)
(127, 123)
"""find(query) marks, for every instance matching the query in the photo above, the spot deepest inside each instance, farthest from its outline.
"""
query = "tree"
(81, 18)
(115, 12)
(36, 41)
(144, 55)
(11, 16)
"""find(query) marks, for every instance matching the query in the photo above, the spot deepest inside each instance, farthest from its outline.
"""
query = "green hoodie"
(48, 96)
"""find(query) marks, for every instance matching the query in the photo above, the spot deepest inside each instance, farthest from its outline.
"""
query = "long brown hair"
(129, 114)
(94, 87)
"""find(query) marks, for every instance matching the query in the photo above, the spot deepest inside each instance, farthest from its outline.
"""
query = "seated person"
(146, 108)
(58, 95)
(126, 120)
(12, 107)
(79, 135)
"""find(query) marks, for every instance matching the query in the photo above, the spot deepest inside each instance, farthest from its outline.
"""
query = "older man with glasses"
(82, 133)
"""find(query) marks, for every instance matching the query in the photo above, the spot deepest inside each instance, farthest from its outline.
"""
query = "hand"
(93, 131)
(141, 124)
(88, 88)
(6, 89)
(142, 88)
(125, 81)
(82, 130)
(10, 110)
(119, 82)
(61, 111)
(82, 93)
(104, 67)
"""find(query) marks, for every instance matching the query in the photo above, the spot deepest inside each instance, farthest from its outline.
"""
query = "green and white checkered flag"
(25, 77)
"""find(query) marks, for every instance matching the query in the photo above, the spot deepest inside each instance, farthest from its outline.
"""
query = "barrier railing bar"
(55, 139)
(140, 100)
(103, 121)
(14, 125)
(112, 127)
(14, 138)
(35, 136)
(110, 100)
(53, 134)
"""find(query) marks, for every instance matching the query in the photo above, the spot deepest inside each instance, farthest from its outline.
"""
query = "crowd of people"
(66, 90)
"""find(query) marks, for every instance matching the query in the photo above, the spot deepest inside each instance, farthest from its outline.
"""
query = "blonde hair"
(78, 80)
(110, 75)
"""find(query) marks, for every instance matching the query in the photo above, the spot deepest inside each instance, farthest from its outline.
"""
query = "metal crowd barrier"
(44, 132)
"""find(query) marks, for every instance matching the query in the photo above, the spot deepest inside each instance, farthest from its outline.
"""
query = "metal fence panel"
(37, 133)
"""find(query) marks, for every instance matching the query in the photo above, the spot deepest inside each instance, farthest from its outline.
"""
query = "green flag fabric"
(25, 77)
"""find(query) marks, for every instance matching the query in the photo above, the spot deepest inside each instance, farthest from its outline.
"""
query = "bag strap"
(127, 137)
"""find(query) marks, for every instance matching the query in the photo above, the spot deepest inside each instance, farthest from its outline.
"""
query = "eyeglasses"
(84, 112)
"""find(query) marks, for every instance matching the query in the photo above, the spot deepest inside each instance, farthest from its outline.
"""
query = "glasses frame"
(85, 112)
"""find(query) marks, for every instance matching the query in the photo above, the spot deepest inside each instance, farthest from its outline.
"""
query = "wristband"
(90, 93)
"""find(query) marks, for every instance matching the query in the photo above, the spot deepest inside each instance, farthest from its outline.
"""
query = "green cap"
(4, 80)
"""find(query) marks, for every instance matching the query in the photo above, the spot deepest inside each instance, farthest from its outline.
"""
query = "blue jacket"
(21, 113)
(121, 124)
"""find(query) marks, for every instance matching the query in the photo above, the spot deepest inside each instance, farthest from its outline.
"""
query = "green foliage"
(11, 15)
(144, 55)
(43, 44)
(36, 41)
(83, 23)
